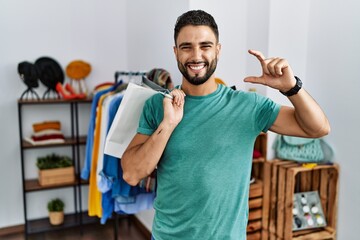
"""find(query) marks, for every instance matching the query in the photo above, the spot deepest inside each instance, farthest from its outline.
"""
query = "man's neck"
(206, 88)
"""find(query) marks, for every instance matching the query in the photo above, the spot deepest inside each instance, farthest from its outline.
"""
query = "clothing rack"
(118, 74)
(128, 73)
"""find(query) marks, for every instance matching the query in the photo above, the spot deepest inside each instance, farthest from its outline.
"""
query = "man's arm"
(306, 118)
(144, 152)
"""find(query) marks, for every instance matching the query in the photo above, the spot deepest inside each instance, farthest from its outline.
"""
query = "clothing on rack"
(94, 200)
(108, 192)
(85, 173)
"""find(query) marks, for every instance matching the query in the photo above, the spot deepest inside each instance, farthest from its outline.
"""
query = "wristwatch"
(295, 89)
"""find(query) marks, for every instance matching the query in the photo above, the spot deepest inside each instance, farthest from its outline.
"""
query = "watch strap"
(295, 89)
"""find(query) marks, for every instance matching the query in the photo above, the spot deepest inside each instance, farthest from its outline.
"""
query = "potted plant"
(55, 169)
(56, 211)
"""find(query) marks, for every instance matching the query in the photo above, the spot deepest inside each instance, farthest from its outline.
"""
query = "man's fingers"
(257, 54)
(261, 59)
(275, 66)
(253, 79)
(179, 96)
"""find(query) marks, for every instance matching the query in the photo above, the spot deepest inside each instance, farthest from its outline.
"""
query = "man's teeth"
(196, 67)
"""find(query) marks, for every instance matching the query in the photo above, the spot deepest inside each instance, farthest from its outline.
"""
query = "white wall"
(319, 38)
(64, 30)
(321, 41)
(333, 71)
(231, 19)
(150, 34)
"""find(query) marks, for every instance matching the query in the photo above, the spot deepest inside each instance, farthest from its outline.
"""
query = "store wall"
(150, 34)
(321, 41)
(333, 67)
(64, 30)
(319, 38)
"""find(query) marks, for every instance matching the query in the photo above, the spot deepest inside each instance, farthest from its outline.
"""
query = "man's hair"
(196, 18)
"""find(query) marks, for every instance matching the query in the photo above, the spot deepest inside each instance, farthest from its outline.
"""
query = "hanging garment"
(94, 200)
(90, 136)
(115, 191)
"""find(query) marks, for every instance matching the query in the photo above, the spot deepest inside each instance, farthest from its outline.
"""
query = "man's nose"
(197, 54)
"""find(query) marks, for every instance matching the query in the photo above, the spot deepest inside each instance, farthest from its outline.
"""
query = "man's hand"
(276, 74)
(174, 108)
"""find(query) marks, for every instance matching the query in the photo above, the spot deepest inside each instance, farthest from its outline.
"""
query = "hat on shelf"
(78, 69)
(50, 72)
(28, 74)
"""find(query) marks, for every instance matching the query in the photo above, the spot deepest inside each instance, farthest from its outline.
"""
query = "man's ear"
(218, 49)
(175, 51)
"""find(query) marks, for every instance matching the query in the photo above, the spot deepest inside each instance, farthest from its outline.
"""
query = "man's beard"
(196, 80)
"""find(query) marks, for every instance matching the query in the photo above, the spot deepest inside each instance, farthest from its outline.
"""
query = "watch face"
(298, 82)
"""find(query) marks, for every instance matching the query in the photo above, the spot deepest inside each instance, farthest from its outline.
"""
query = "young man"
(201, 141)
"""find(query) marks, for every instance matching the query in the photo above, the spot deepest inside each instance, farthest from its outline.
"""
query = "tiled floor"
(127, 231)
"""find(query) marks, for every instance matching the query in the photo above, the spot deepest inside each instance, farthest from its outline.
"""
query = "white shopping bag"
(123, 128)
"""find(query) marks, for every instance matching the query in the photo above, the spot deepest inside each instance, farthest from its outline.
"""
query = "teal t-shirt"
(204, 172)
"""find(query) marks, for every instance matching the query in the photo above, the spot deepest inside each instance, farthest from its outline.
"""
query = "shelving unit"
(256, 192)
(74, 141)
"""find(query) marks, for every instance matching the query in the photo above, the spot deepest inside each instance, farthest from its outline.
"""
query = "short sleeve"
(151, 115)
(267, 112)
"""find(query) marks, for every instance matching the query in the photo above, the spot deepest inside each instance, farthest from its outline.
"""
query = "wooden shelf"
(258, 160)
(68, 142)
(52, 101)
(256, 189)
(70, 220)
(78, 218)
(33, 185)
(326, 233)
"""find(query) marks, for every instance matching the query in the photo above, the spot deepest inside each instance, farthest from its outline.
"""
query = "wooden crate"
(270, 198)
(256, 192)
(284, 178)
(323, 234)
(258, 163)
(57, 176)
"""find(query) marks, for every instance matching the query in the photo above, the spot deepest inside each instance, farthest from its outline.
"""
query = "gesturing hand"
(276, 74)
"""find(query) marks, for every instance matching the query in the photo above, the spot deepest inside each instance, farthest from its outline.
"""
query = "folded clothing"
(55, 125)
(44, 142)
(48, 137)
(47, 132)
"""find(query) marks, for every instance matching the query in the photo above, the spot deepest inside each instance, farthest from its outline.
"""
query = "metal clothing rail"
(128, 73)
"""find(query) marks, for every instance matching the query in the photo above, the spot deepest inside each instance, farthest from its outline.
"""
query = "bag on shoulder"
(303, 149)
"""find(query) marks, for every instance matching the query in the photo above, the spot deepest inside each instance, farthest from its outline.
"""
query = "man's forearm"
(309, 115)
(139, 160)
